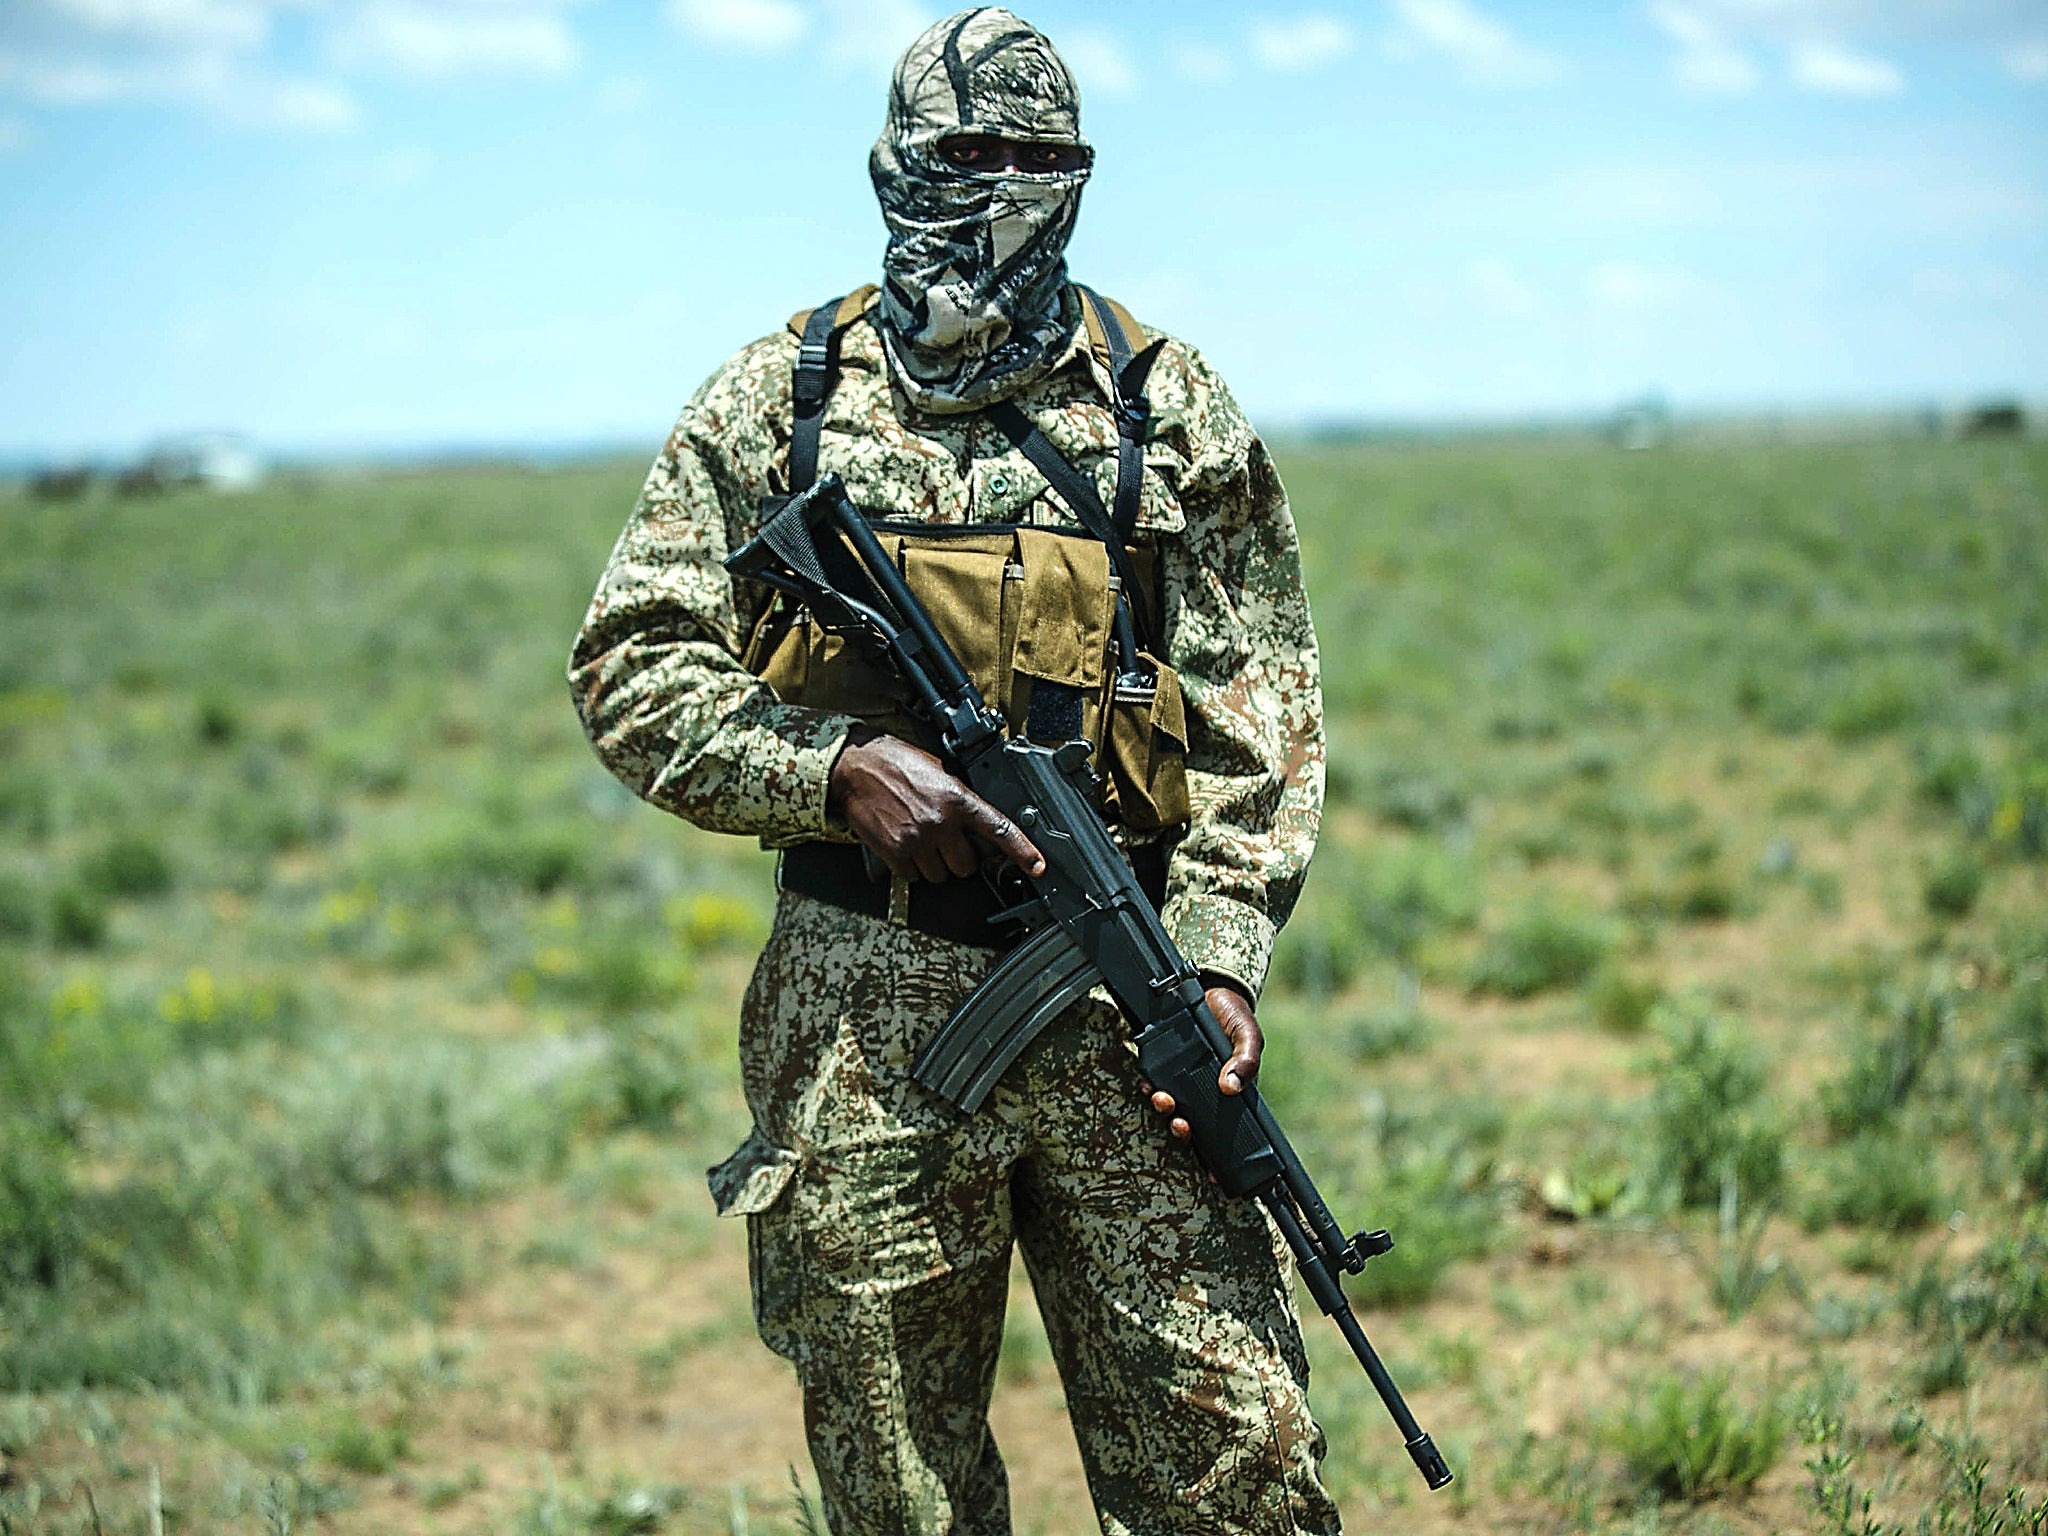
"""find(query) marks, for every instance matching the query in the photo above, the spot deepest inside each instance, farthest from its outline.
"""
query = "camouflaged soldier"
(880, 1221)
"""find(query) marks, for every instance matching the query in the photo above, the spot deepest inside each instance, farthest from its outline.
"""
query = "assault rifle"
(1086, 920)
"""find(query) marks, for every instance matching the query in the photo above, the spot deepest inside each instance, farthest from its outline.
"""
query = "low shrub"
(475, 857)
(1879, 1179)
(1544, 949)
(1953, 886)
(1415, 801)
(1706, 896)
(1691, 1438)
(2000, 1294)
(1889, 1066)
(1874, 704)
(78, 917)
(1622, 1003)
(1710, 1120)
(2024, 1024)
(1377, 1033)
(1430, 1180)
(129, 865)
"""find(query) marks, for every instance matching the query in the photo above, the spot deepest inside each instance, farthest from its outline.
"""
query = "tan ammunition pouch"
(1022, 607)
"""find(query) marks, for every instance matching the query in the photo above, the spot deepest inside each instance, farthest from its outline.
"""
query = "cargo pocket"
(1148, 744)
(754, 1183)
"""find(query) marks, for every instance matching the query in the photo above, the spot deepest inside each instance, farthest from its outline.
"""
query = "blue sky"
(404, 223)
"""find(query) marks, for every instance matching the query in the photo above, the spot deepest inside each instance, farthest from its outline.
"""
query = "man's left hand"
(1233, 1011)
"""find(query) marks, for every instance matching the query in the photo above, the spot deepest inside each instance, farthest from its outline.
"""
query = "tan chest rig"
(1056, 626)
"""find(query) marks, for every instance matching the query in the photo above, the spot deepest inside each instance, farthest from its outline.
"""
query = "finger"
(1182, 1131)
(958, 852)
(986, 821)
(931, 863)
(1242, 1067)
(1163, 1102)
(1247, 1043)
(898, 863)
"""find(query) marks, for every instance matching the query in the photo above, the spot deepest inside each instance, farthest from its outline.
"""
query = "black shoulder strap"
(1133, 411)
(817, 359)
(1078, 492)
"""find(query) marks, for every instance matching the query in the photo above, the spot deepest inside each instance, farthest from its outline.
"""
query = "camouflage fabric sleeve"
(1241, 638)
(656, 670)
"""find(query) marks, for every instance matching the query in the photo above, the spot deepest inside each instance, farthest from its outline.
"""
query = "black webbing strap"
(816, 359)
(1078, 492)
(1133, 411)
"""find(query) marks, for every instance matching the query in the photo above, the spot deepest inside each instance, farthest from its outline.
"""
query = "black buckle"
(813, 367)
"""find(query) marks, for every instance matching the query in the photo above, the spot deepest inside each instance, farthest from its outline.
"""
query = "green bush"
(40, 1240)
(1710, 1120)
(1880, 1180)
(356, 1445)
(1318, 953)
(1875, 704)
(2001, 1294)
(1621, 1003)
(1430, 1181)
(1707, 896)
(1888, 1066)
(130, 865)
(1691, 1438)
(2024, 1023)
(1377, 1033)
(78, 918)
(1543, 949)
(1953, 886)
(21, 906)
(475, 857)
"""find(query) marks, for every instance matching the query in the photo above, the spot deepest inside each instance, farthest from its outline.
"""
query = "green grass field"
(1673, 980)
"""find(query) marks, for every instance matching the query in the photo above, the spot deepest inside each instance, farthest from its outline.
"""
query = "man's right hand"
(917, 818)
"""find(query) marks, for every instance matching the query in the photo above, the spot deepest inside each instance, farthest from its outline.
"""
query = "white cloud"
(748, 26)
(627, 96)
(1707, 62)
(2029, 60)
(394, 170)
(1100, 61)
(436, 39)
(1854, 47)
(235, 25)
(1203, 63)
(870, 34)
(1481, 47)
(281, 101)
(1302, 42)
(216, 56)
(1633, 287)
(1831, 69)
(205, 68)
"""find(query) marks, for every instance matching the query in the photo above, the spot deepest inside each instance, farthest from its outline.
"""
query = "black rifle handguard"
(1179, 1056)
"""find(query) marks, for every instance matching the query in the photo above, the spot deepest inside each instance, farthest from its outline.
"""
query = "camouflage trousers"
(880, 1223)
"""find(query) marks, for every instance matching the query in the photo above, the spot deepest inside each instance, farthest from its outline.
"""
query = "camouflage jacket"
(671, 711)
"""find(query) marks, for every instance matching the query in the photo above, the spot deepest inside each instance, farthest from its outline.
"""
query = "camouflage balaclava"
(974, 302)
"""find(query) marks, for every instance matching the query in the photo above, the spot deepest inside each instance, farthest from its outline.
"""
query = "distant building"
(1644, 423)
(217, 461)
